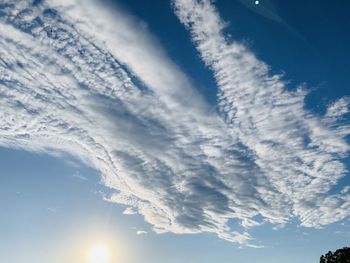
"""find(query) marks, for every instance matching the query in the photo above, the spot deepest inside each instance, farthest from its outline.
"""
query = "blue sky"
(182, 131)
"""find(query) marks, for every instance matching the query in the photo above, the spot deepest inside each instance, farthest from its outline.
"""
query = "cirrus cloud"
(77, 78)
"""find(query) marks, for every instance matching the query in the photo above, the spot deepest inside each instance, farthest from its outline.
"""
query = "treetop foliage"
(340, 256)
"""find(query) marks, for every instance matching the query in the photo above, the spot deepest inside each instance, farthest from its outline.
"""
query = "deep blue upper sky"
(307, 41)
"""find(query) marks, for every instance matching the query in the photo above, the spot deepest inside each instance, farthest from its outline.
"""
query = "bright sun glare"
(99, 253)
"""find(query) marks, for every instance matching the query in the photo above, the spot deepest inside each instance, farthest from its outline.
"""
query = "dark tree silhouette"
(340, 256)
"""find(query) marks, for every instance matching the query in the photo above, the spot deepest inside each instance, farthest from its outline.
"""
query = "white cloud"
(82, 79)
(141, 232)
(157, 143)
(338, 108)
(129, 211)
(345, 190)
(299, 154)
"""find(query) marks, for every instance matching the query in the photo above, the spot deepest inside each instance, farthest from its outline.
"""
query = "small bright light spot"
(257, 2)
(99, 254)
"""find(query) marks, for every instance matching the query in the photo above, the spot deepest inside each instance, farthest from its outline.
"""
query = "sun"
(99, 253)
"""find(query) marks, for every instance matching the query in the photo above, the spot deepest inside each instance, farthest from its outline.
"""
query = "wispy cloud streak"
(66, 87)
(78, 78)
(299, 153)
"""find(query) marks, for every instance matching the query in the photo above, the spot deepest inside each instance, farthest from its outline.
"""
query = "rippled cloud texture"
(77, 78)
